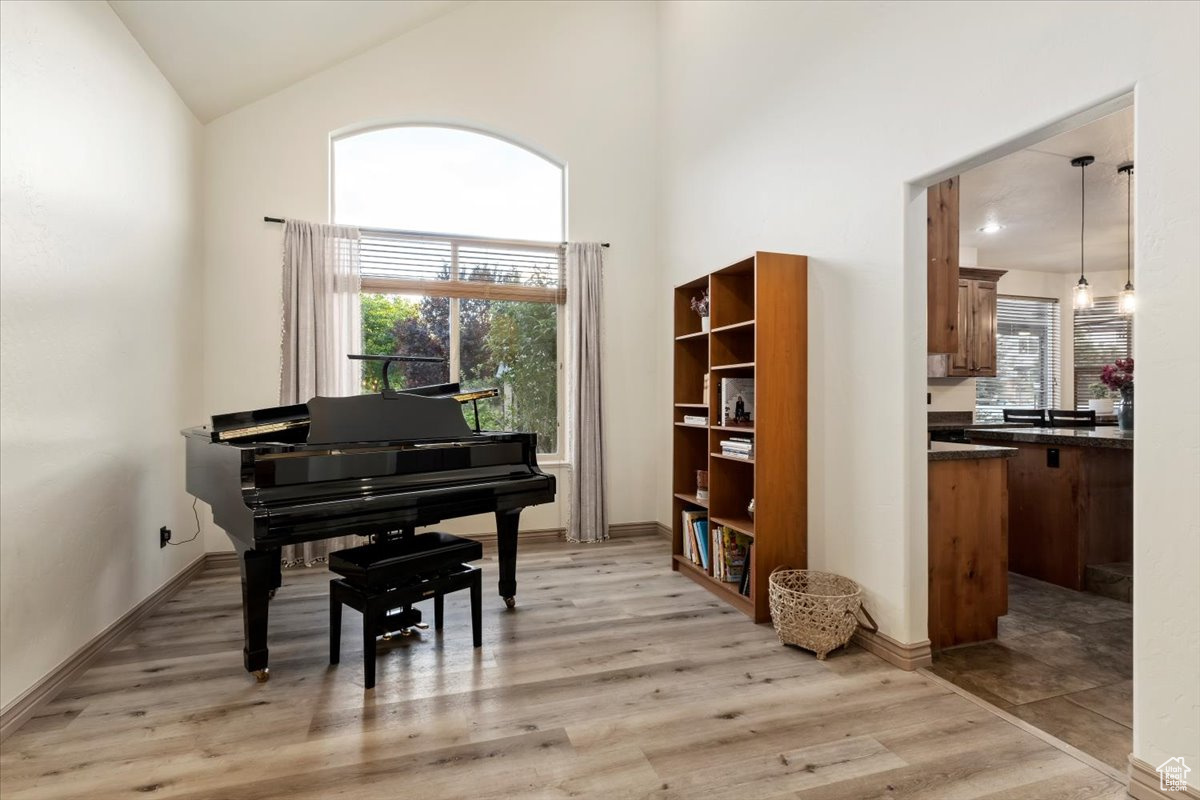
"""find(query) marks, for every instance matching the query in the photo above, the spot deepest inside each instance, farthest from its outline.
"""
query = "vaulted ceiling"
(222, 54)
(1034, 194)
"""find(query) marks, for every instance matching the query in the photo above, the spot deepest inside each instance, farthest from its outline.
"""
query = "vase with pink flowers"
(1118, 376)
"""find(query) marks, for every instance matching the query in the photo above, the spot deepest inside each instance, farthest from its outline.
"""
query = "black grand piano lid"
(376, 418)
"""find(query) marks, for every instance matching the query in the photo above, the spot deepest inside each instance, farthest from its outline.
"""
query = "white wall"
(958, 394)
(99, 323)
(573, 80)
(799, 126)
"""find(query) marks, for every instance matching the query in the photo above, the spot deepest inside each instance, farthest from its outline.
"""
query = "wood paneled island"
(968, 542)
(1070, 499)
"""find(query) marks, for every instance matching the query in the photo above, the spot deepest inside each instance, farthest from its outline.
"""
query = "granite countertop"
(1111, 438)
(953, 451)
(954, 426)
(957, 420)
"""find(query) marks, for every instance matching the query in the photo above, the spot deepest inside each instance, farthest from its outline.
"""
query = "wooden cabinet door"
(982, 339)
(944, 334)
(960, 359)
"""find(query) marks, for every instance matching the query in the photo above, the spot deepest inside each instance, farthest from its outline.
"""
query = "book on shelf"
(729, 553)
(691, 546)
(737, 401)
(700, 526)
(694, 419)
(747, 578)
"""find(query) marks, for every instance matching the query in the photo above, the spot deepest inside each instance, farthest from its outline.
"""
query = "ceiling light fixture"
(992, 227)
(1083, 292)
(1127, 301)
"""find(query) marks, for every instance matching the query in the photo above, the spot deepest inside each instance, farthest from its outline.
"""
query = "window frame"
(456, 290)
(1052, 366)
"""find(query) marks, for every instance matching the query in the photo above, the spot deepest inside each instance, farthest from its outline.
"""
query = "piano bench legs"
(374, 606)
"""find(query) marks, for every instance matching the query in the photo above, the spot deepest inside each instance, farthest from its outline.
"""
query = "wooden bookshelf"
(759, 316)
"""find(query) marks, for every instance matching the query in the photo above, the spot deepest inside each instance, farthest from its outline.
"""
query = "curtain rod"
(447, 236)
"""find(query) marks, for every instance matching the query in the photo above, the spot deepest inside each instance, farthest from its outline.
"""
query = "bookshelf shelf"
(734, 459)
(691, 499)
(690, 425)
(756, 302)
(726, 591)
(740, 524)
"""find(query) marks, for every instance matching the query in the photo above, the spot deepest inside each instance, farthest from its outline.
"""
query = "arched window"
(461, 260)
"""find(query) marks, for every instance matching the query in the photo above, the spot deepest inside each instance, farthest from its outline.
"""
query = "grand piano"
(376, 465)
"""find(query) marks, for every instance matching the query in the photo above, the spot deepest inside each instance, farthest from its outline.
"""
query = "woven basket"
(815, 610)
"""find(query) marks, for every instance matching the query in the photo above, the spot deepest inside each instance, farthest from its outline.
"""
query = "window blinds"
(460, 267)
(1102, 336)
(1027, 358)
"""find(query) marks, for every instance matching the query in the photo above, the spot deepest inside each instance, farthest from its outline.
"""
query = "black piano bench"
(380, 578)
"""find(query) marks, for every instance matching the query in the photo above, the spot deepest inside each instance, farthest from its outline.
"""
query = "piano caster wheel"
(262, 675)
(510, 602)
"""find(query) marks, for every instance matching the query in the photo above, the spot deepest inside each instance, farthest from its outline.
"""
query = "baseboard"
(28, 702)
(905, 656)
(225, 558)
(1145, 784)
(628, 530)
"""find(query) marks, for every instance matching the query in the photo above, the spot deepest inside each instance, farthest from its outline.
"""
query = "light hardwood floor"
(612, 678)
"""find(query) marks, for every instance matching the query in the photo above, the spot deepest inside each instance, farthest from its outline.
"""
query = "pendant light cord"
(1082, 209)
(1129, 226)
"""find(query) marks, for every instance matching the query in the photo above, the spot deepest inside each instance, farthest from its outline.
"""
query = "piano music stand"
(388, 391)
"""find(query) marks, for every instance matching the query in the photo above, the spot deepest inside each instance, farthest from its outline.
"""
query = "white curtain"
(321, 324)
(588, 517)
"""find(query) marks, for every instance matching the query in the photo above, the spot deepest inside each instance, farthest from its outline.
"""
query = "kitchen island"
(1070, 499)
(968, 541)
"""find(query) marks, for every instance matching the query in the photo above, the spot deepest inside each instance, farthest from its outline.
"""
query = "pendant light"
(1083, 292)
(1127, 302)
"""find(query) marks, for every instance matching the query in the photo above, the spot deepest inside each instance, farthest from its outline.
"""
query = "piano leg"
(506, 542)
(259, 571)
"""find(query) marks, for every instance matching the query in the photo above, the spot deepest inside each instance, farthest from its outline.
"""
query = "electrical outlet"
(164, 536)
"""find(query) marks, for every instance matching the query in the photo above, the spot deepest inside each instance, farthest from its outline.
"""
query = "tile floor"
(1063, 662)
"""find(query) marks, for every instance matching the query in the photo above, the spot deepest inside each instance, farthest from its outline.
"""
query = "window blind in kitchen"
(1027, 358)
(1102, 336)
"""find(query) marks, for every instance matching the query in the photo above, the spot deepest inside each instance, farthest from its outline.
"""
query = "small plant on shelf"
(1102, 398)
(700, 306)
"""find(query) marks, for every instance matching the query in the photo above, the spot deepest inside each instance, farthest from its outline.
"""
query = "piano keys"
(372, 465)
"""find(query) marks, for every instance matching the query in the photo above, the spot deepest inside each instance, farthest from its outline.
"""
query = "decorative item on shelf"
(1127, 300)
(700, 306)
(750, 508)
(1102, 400)
(701, 484)
(706, 388)
(1118, 377)
(1083, 292)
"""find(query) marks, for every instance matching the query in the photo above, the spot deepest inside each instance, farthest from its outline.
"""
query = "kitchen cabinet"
(975, 355)
(941, 268)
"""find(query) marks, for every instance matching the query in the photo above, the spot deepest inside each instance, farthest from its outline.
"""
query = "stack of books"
(693, 419)
(729, 554)
(695, 537)
(738, 447)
